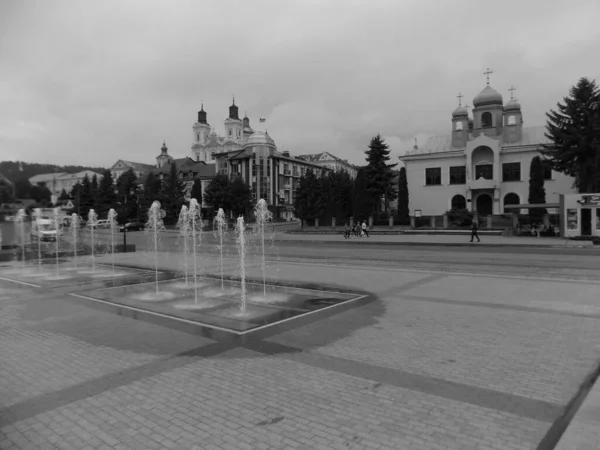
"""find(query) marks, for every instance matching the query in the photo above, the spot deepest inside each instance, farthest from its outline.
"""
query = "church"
(483, 163)
(206, 143)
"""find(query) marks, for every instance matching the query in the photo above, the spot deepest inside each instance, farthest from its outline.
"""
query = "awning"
(534, 205)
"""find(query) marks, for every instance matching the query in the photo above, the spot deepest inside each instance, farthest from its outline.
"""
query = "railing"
(286, 171)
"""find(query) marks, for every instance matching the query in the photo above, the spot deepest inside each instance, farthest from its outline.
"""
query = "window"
(458, 175)
(433, 176)
(230, 132)
(512, 120)
(459, 202)
(198, 137)
(459, 126)
(511, 171)
(486, 120)
(511, 199)
(485, 171)
(547, 170)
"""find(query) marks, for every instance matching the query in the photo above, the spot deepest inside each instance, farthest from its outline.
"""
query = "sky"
(90, 82)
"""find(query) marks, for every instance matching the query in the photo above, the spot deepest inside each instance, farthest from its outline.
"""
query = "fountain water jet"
(37, 214)
(155, 226)
(184, 230)
(112, 221)
(221, 226)
(195, 219)
(21, 222)
(56, 217)
(263, 215)
(92, 222)
(75, 223)
(240, 230)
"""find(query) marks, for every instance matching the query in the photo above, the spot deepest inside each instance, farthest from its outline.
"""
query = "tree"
(126, 199)
(86, 198)
(309, 203)
(363, 202)
(40, 193)
(341, 194)
(23, 188)
(7, 191)
(239, 197)
(106, 196)
(63, 195)
(537, 193)
(575, 135)
(216, 194)
(95, 188)
(403, 198)
(196, 191)
(379, 175)
(172, 195)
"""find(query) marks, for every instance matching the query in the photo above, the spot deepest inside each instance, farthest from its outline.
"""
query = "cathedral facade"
(207, 144)
(483, 164)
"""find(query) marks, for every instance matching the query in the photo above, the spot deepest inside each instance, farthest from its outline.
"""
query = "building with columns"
(483, 163)
(206, 143)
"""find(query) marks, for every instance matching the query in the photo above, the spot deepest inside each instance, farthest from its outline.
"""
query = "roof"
(136, 165)
(441, 144)
(200, 169)
(179, 164)
(488, 96)
(321, 157)
(45, 177)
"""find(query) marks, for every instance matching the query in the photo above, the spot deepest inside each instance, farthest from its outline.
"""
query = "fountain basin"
(220, 317)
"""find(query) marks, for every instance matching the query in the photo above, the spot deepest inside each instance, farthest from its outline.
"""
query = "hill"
(11, 169)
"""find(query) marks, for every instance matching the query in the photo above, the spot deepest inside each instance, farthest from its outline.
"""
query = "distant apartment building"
(326, 159)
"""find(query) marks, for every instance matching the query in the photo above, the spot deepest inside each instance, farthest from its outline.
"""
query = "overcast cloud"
(89, 82)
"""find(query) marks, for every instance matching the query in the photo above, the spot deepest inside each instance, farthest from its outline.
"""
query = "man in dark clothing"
(474, 228)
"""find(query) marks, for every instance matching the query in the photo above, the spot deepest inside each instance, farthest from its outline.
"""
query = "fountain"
(221, 227)
(195, 219)
(21, 221)
(112, 221)
(92, 222)
(37, 214)
(263, 215)
(56, 217)
(184, 230)
(75, 223)
(240, 230)
(155, 226)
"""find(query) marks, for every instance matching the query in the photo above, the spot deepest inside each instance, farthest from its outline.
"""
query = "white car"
(45, 230)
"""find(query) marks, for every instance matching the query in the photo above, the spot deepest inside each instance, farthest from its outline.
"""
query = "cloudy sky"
(89, 82)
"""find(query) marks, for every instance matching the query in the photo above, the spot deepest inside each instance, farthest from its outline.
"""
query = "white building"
(482, 164)
(326, 159)
(56, 182)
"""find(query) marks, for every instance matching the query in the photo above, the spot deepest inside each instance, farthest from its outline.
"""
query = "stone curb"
(431, 244)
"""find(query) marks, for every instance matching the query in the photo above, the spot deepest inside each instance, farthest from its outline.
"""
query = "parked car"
(133, 226)
(102, 224)
(45, 230)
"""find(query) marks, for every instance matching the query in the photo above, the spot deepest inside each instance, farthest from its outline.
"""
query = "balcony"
(481, 183)
(286, 171)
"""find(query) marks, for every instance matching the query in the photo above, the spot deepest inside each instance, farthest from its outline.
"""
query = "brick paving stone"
(319, 409)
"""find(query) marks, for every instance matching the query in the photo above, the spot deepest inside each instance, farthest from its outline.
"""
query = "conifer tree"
(537, 193)
(309, 201)
(575, 135)
(172, 195)
(363, 202)
(342, 186)
(126, 199)
(380, 178)
(196, 191)
(403, 198)
(86, 200)
(216, 195)
(239, 196)
(106, 195)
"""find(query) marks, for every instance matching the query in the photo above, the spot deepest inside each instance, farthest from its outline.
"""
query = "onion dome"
(512, 105)
(202, 115)
(233, 111)
(489, 96)
(461, 111)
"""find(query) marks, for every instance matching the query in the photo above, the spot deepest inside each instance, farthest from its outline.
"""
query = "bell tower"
(233, 125)
(513, 120)
(201, 129)
(460, 125)
(488, 112)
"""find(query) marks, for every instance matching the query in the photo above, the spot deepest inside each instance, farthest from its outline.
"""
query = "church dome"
(512, 105)
(489, 96)
(460, 111)
(259, 138)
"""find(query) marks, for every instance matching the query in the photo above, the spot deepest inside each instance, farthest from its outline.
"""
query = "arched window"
(486, 120)
(459, 202)
(512, 120)
(459, 126)
(511, 199)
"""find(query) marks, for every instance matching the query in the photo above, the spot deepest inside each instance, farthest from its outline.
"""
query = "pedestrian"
(474, 228)
(346, 231)
(364, 228)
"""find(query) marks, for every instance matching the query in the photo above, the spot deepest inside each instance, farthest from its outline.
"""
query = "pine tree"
(537, 193)
(41, 194)
(403, 198)
(363, 202)
(86, 200)
(216, 194)
(63, 195)
(574, 135)
(309, 201)
(126, 199)
(172, 195)
(106, 195)
(341, 192)
(380, 177)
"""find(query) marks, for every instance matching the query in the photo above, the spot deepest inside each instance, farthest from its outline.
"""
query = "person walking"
(474, 228)
(364, 228)
(347, 231)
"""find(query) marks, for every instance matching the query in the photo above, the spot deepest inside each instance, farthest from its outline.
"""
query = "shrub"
(460, 217)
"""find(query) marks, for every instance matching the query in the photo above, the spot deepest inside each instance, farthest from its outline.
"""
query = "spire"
(233, 111)
(202, 114)
(487, 74)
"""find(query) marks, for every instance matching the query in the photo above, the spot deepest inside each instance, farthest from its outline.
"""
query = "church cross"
(512, 89)
(487, 74)
(459, 97)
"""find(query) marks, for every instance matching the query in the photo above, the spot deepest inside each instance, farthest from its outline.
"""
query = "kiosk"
(579, 215)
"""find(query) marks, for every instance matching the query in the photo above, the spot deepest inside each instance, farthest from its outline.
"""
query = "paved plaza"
(457, 349)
